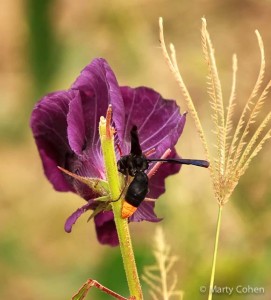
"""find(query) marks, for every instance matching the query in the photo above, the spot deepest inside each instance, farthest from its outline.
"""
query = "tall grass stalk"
(212, 279)
(233, 147)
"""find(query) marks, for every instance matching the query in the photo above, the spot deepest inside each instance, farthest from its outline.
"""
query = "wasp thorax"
(132, 164)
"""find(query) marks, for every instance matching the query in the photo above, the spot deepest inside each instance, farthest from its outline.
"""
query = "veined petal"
(98, 82)
(145, 212)
(49, 124)
(76, 125)
(84, 139)
(74, 216)
(158, 120)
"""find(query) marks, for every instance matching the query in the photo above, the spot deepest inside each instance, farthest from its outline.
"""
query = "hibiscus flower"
(65, 128)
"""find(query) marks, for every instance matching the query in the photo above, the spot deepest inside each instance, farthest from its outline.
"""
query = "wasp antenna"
(183, 161)
(197, 162)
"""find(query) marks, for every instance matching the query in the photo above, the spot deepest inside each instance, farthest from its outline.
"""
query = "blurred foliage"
(44, 46)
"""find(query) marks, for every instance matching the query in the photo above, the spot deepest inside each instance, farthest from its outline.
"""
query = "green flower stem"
(210, 295)
(107, 142)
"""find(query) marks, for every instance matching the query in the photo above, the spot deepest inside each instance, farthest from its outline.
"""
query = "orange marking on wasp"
(127, 210)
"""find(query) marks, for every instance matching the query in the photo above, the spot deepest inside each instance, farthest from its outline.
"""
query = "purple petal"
(76, 126)
(73, 217)
(83, 139)
(49, 125)
(145, 212)
(159, 121)
(106, 228)
(98, 82)
(98, 88)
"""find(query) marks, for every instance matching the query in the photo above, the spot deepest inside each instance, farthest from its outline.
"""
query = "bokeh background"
(44, 45)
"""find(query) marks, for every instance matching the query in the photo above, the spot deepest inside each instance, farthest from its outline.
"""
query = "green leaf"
(96, 184)
(81, 294)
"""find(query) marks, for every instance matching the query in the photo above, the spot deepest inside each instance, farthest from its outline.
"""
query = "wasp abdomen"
(135, 194)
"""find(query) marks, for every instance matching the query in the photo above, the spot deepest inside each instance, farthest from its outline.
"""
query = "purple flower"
(65, 128)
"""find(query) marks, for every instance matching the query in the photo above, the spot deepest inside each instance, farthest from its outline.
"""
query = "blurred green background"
(44, 45)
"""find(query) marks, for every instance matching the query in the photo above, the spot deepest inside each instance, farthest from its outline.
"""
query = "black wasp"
(135, 164)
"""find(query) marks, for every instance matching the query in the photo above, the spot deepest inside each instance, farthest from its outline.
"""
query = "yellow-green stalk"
(108, 149)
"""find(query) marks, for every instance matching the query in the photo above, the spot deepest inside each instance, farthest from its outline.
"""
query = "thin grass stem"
(210, 295)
